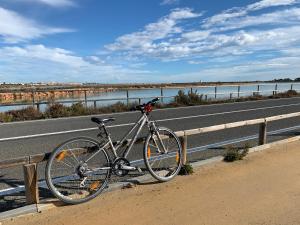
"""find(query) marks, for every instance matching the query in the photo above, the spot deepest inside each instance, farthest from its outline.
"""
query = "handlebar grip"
(155, 100)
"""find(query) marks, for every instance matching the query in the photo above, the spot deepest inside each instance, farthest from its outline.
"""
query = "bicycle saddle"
(102, 121)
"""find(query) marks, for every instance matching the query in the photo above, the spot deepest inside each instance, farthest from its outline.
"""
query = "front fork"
(154, 130)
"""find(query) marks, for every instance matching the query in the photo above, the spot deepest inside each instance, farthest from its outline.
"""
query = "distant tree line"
(286, 80)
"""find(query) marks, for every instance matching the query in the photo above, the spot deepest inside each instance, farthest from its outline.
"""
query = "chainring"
(116, 167)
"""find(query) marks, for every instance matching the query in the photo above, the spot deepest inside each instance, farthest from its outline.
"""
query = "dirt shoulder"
(262, 189)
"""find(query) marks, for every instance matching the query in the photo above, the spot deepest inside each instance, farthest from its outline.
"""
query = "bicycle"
(79, 169)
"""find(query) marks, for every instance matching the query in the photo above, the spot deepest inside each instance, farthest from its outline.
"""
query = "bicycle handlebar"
(150, 103)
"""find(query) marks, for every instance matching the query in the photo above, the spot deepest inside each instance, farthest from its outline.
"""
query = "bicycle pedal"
(129, 168)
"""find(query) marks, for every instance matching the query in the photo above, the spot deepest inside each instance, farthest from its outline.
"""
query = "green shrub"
(234, 153)
(192, 98)
(182, 98)
(186, 169)
(289, 93)
(23, 114)
(57, 110)
(5, 117)
(195, 98)
(78, 109)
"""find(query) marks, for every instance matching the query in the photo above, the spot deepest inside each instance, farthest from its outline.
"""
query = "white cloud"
(40, 52)
(165, 27)
(270, 3)
(280, 17)
(40, 63)
(242, 11)
(53, 3)
(196, 35)
(16, 28)
(169, 2)
(251, 70)
(166, 41)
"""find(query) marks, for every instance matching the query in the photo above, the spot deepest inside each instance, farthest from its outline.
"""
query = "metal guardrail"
(30, 162)
(127, 99)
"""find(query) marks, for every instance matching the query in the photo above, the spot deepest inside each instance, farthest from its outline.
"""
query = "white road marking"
(129, 124)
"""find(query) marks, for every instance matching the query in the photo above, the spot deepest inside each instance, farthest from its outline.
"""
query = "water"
(223, 92)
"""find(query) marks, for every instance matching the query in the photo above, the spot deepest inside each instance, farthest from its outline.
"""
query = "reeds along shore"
(9, 97)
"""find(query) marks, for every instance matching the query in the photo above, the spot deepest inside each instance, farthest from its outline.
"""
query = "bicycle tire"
(60, 182)
(173, 158)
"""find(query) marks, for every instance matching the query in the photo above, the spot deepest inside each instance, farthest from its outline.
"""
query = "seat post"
(105, 130)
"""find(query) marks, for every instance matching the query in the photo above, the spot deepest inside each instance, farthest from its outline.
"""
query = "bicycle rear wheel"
(78, 170)
(162, 165)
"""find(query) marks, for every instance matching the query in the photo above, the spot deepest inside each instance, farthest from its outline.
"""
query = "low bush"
(78, 109)
(23, 114)
(191, 98)
(181, 98)
(57, 110)
(186, 169)
(234, 153)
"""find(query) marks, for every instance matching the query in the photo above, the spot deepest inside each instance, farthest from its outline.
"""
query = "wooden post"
(31, 184)
(262, 139)
(127, 95)
(216, 89)
(38, 107)
(183, 141)
(191, 90)
(95, 104)
(33, 98)
(276, 88)
(85, 99)
(162, 94)
(292, 86)
(140, 101)
(239, 89)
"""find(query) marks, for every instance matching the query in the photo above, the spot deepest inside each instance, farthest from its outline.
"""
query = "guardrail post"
(127, 95)
(239, 89)
(262, 139)
(38, 107)
(183, 141)
(31, 184)
(85, 99)
(216, 89)
(162, 94)
(33, 98)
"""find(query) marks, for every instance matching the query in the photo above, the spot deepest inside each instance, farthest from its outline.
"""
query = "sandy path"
(262, 189)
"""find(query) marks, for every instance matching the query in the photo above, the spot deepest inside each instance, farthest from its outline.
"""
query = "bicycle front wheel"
(163, 154)
(78, 170)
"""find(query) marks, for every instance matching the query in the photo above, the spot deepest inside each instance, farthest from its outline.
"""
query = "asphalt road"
(31, 137)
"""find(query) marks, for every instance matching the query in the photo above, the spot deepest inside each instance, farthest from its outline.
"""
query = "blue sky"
(148, 40)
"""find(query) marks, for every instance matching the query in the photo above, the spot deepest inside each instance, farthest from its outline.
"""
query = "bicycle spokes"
(71, 177)
(163, 164)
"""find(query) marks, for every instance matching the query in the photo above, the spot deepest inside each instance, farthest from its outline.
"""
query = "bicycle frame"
(140, 124)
